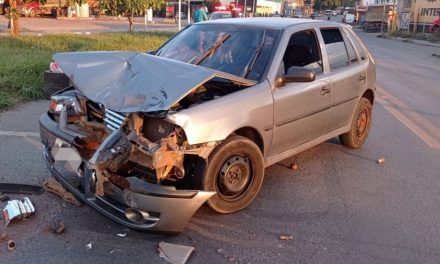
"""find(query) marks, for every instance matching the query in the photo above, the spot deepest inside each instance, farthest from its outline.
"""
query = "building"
(416, 15)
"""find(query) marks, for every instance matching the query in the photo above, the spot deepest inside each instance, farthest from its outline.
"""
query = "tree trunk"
(15, 29)
(130, 22)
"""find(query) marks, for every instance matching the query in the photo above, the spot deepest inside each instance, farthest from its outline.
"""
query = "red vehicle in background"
(236, 10)
(29, 9)
(435, 26)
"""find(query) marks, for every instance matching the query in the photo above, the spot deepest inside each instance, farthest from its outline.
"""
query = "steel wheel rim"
(362, 122)
(235, 177)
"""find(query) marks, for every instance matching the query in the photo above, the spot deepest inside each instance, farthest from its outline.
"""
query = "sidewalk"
(407, 40)
(47, 25)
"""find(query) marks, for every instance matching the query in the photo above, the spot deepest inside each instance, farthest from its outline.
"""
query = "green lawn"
(24, 59)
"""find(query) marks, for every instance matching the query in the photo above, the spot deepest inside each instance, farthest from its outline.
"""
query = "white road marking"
(419, 125)
(19, 134)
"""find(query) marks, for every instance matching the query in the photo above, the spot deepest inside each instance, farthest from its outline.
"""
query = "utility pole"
(383, 16)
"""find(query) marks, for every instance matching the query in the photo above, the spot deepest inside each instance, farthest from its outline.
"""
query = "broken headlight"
(68, 103)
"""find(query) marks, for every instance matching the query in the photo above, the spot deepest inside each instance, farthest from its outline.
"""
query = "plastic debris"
(11, 245)
(284, 237)
(4, 198)
(53, 186)
(57, 226)
(16, 209)
(173, 253)
(89, 246)
(4, 237)
(20, 188)
(121, 235)
(381, 160)
(294, 166)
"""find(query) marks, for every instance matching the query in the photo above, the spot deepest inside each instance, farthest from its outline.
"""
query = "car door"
(347, 76)
(301, 109)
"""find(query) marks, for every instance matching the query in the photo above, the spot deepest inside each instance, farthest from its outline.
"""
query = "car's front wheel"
(235, 171)
(360, 125)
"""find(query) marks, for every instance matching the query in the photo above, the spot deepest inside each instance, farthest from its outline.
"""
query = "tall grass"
(24, 59)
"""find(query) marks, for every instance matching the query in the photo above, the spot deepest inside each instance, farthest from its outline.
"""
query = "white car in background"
(348, 19)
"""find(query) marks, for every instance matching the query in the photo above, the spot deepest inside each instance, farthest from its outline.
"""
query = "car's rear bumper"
(169, 209)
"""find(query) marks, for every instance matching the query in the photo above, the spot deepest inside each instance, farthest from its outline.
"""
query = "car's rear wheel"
(360, 125)
(235, 171)
(32, 13)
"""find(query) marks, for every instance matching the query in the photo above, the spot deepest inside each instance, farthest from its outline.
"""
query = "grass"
(431, 37)
(24, 59)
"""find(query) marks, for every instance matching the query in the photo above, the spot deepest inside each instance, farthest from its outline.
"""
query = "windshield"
(238, 50)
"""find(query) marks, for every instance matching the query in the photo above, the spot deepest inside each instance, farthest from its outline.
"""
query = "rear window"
(335, 47)
(357, 45)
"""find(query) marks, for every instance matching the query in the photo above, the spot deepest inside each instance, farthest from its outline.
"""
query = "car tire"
(235, 171)
(360, 125)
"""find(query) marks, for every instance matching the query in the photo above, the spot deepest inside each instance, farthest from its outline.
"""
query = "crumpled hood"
(131, 81)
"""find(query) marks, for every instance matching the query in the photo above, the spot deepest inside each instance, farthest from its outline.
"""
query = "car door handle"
(325, 90)
(362, 77)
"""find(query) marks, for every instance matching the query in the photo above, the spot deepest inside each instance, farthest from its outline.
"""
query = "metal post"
(245, 7)
(253, 7)
(179, 15)
(145, 19)
(383, 15)
(189, 12)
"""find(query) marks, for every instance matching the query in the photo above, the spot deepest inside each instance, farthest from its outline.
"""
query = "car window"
(335, 47)
(239, 50)
(303, 51)
(357, 45)
(352, 57)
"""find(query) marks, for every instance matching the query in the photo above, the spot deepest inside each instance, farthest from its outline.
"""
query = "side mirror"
(296, 74)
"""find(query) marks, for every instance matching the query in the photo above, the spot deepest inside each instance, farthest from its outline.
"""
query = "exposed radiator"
(113, 120)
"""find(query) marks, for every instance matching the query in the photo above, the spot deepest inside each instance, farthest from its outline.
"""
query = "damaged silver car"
(146, 139)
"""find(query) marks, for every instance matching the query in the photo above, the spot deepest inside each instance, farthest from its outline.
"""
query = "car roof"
(269, 22)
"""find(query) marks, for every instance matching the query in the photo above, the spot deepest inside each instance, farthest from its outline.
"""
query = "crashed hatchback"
(146, 139)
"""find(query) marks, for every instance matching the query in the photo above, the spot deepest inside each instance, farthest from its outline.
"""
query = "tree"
(129, 8)
(13, 14)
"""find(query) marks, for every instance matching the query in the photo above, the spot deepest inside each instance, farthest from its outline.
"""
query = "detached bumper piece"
(143, 206)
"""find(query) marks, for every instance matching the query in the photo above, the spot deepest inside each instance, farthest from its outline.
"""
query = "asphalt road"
(340, 206)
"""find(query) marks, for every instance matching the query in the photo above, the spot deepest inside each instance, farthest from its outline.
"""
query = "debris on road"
(89, 246)
(11, 245)
(4, 198)
(294, 166)
(16, 209)
(57, 225)
(20, 188)
(381, 160)
(4, 237)
(53, 186)
(121, 235)
(173, 253)
(284, 237)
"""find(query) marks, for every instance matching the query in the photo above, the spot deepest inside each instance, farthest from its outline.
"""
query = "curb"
(417, 41)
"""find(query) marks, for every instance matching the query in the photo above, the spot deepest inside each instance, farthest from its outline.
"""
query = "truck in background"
(375, 18)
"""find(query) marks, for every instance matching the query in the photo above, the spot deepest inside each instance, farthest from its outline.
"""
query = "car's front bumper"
(170, 209)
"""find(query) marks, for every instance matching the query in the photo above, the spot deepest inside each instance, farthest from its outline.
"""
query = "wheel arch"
(251, 134)
(369, 94)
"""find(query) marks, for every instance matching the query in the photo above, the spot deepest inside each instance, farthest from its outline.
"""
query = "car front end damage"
(110, 142)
